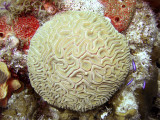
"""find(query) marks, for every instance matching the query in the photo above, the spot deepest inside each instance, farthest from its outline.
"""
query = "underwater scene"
(79, 60)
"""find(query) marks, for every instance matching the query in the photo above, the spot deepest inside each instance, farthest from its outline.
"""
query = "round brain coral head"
(25, 27)
(120, 12)
(77, 60)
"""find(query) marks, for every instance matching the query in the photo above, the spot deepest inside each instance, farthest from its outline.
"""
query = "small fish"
(144, 84)
(133, 65)
(130, 82)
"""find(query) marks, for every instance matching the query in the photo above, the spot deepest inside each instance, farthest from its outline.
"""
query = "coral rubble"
(141, 35)
(20, 106)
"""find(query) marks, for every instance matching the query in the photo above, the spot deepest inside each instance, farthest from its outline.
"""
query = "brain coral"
(77, 60)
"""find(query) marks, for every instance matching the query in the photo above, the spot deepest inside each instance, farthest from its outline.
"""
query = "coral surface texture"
(77, 60)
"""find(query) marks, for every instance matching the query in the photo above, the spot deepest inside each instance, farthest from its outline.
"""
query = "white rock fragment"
(142, 26)
(105, 114)
(107, 18)
(17, 54)
(144, 57)
(13, 41)
(82, 5)
(128, 102)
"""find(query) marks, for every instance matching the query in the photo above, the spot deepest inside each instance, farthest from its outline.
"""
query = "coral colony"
(92, 58)
(78, 67)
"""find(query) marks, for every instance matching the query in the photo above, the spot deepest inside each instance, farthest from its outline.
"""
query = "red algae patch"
(25, 27)
(4, 27)
(120, 12)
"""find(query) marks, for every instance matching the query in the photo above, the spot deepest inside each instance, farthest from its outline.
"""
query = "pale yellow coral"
(125, 116)
(4, 73)
(3, 90)
(77, 60)
(158, 80)
(15, 84)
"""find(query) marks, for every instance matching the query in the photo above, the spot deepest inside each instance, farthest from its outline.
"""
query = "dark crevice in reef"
(158, 64)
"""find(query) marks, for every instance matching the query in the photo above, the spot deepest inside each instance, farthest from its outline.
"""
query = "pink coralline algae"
(120, 12)
(50, 7)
